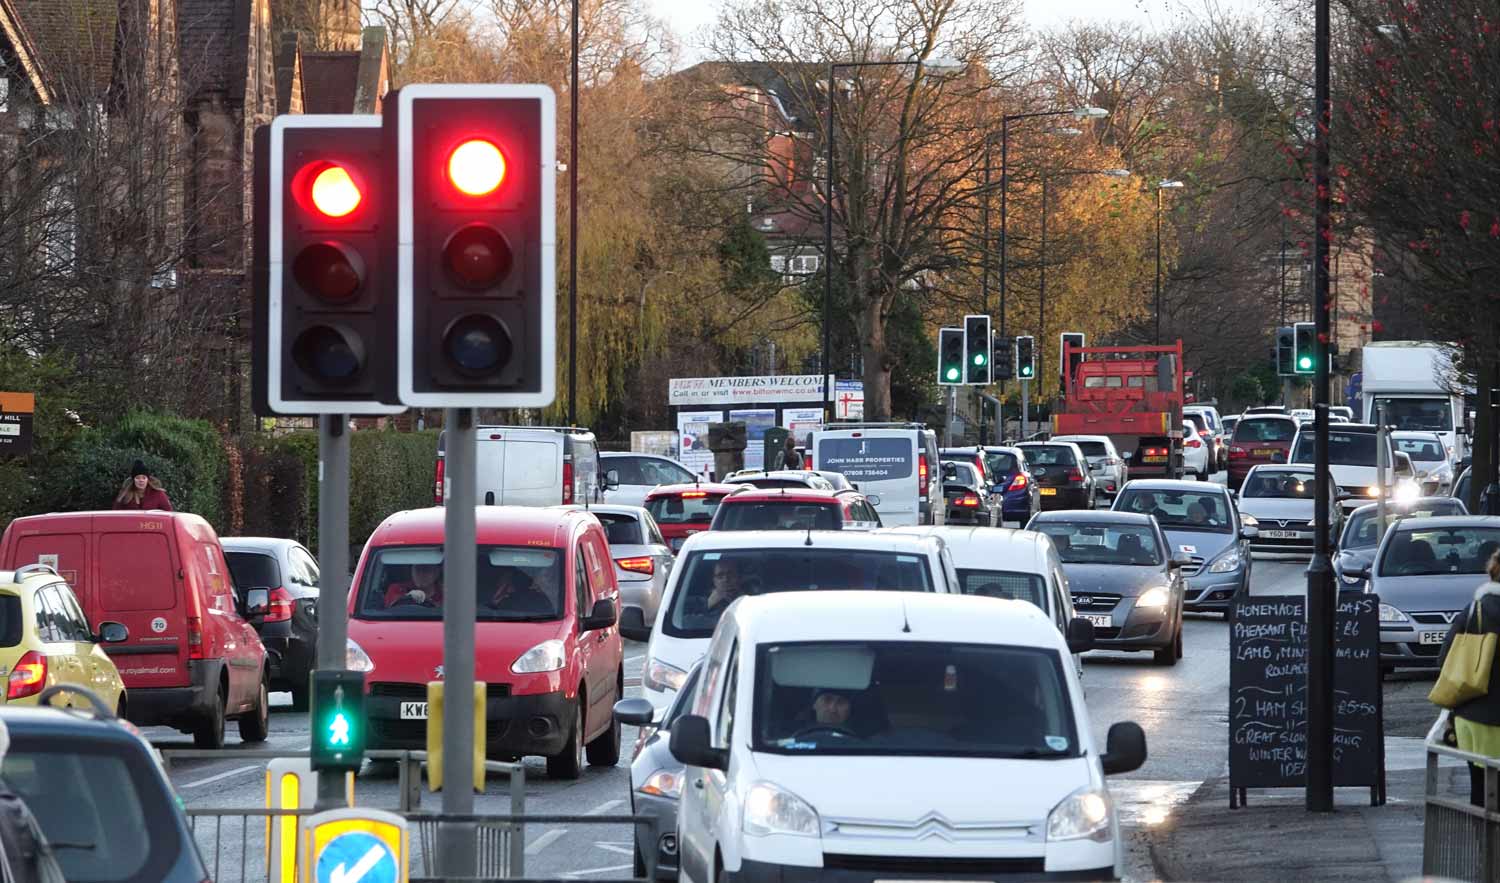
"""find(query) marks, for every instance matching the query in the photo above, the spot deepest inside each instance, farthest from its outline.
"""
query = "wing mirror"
(112, 633)
(611, 479)
(1124, 749)
(1361, 573)
(602, 616)
(690, 744)
(633, 625)
(257, 605)
(636, 712)
(1180, 560)
(950, 472)
(1249, 532)
(1080, 635)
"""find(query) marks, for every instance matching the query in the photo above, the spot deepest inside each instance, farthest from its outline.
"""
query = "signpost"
(16, 410)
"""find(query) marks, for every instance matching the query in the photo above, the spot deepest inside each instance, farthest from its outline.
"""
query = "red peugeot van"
(192, 659)
(547, 645)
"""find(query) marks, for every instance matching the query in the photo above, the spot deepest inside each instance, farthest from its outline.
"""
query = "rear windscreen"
(10, 620)
(778, 515)
(1092, 449)
(622, 530)
(690, 507)
(252, 570)
(999, 463)
(1003, 584)
(867, 459)
(1253, 430)
(135, 572)
(1050, 455)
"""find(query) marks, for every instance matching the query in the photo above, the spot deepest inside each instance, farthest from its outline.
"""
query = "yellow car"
(45, 639)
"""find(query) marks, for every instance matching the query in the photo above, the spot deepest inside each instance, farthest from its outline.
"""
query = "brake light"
(1194, 443)
(281, 606)
(437, 483)
(1018, 483)
(968, 500)
(694, 495)
(922, 475)
(195, 637)
(28, 677)
(1075, 475)
(1237, 453)
(644, 565)
(567, 483)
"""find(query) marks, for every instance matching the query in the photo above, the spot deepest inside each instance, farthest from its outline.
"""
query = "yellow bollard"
(435, 735)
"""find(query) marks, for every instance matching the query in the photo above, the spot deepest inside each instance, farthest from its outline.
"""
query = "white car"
(858, 732)
(1351, 460)
(1429, 457)
(1197, 453)
(715, 567)
(781, 478)
(630, 477)
(642, 556)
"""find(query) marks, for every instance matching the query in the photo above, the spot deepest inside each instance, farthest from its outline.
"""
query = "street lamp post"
(573, 230)
(1161, 185)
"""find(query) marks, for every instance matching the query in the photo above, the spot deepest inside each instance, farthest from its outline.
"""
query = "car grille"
(1194, 566)
(1433, 618)
(918, 865)
(418, 692)
(1095, 602)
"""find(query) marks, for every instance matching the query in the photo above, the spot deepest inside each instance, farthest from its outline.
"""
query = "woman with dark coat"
(1477, 722)
(142, 490)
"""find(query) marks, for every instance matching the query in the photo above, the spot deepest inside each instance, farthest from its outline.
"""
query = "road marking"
(544, 841)
(221, 776)
(611, 847)
(604, 807)
(635, 658)
(574, 875)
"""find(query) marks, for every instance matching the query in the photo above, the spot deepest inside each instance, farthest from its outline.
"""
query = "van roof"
(506, 524)
(58, 522)
(892, 616)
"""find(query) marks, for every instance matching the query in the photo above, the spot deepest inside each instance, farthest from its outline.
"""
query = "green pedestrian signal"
(1305, 348)
(338, 720)
(977, 347)
(950, 356)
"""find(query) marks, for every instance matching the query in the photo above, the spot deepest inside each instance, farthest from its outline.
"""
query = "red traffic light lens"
(329, 270)
(476, 167)
(332, 353)
(477, 345)
(477, 256)
(334, 192)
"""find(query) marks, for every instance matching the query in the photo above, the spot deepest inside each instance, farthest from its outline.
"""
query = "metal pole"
(1380, 467)
(984, 250)
(573, 233)
(1156, 338)
(333, 564)
(1025, 409)
(1004, 187)
(1041, 318)
(1321, 595)
(826, 366)
(948, 423)
(456, 840)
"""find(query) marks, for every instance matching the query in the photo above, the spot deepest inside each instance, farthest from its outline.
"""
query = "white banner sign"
(745, 390)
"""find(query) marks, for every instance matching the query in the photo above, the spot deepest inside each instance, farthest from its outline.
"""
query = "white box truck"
(1416, 384)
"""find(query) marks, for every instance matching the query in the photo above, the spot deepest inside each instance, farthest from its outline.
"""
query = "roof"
(892, 616)
(1004, 543)
(785, 539)
(32, 721)
(518, 524)
(1073, 437)
(806, 495)
(256, 544)
(1172, 484)
(606, 508)
(1408, 433)
(61, 39)
(712, 487)
(1094, 516)
(1395, 508)
(795, 87)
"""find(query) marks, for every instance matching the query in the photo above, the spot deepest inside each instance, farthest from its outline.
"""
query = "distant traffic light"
(338, 720)
(977, 366)
(1025, 358)
(950, 356)
(1003, 357)
(476, 173)
(1306, 348)
(320, 302)
(1068, 364)
(1286, 347)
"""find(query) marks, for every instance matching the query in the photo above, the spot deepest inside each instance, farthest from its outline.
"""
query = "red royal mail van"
(192, 659)
(546, 641)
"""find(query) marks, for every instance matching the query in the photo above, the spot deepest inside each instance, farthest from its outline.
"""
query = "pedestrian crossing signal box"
(338, 720)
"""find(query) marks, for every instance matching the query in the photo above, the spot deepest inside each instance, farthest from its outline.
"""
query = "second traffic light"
(1025, 358)
(338, 720)
(1067, 363)
(1286, 346)
(950, 356)
(1305, 349)
(977, 367)
(1003, 358)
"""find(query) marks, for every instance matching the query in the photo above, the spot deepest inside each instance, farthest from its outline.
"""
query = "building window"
(778, 263)
(805, 265)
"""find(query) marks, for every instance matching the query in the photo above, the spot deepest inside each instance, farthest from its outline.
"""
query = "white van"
(529, 466)
(895, 465)
(860, 735)
(716, 566)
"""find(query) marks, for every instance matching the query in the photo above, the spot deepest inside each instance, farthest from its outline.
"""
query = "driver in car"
(425, 588)
(728, 584)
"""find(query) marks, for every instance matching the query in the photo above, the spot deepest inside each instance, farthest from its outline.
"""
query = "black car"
(290, 629)
(967, 498)
(98, 792)
(1062, 474)
(1123, 578)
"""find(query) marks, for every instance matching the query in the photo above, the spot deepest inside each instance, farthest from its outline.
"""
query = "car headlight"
(1391, 614)
(355, 657)
(1407, 491)
(1156, 596)
(1083, 814)
(546, 656)
(1226, 563)
(1372, 491)
(660, 676)
(771, 810)
(664, 783)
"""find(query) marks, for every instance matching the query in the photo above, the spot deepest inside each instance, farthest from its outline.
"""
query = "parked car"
(1203, 522)
(656, 779)
(681, 510)
(809, 702)
(529, 466)
(98, 792)
(1259, 438)
(894, 465)
(642, 556)
(1283, 500)
(1362, 533)
(1105, 465)
(45, 639)
(629, 477)
(1230, 423)
(795, 509)
(289, 574)
(1203, 431)
(1425, 572)
(1123, 579)
(546, 641)
(715, 568)
(968, 496)
(1429, 457)
(192, 659)
(1062, 473)
(780, 478)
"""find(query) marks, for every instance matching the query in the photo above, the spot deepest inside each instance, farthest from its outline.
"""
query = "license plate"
(1266, 452)
(1155, 459)
(414, 711)
(1284, 534)
(1049, 491)
(1432, 637)
(1101, 622)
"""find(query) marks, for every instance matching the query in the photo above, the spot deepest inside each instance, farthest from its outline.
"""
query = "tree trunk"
(1483, 463)
(872, 347)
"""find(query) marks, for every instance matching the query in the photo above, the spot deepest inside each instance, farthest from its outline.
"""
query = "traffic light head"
(1067, 363)
(1305, 348)
(476, 230)
(338, 720)
(1286, 346)
(950, 356)
(977, 367)
(1025, 358)
(1004, 358)
(319, 301)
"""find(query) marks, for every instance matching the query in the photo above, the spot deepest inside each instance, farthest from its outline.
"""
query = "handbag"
(1466, 671)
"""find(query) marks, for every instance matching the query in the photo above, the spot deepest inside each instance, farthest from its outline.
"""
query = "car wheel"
(605, 749)
(1178, 642)
(568, 763)
(256, 725)
(1166, 655)
(209, 733)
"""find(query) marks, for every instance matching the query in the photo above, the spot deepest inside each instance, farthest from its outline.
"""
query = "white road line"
(574, 875)
(544, 841)
(635, 658)
(221, 776)
(604, 807)
(611, 847)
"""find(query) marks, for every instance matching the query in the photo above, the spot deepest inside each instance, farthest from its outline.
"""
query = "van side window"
(582, 591)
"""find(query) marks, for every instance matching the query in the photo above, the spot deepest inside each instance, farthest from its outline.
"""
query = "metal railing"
(426, 824)
(247, 852)
(1460, 841)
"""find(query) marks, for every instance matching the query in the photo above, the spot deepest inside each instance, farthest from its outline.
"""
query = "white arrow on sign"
(365, 865)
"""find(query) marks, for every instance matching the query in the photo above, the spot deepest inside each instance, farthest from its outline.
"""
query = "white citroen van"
(895, 465)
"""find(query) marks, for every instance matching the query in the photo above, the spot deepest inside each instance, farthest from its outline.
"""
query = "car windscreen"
(1429, 415)
(1423, 450)
(1280, 483)
(1081, 542)
(1050, 455)
(1009, 584)
(253, 570)
(711, 579)
(688, 507)
(867, 459)
(999, 463)
(104, 810)
(1344, 449)
(778, 515)
(1439, 551)
(622, 529)
(913, 699)
(511, 583)
(1180, 510)
(1092, 450)
(1252, 430)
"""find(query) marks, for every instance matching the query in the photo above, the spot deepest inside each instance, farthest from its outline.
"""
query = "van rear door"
(136, 584)
(884, 464)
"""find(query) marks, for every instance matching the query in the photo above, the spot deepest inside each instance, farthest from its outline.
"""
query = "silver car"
(1203, 522)
(1425, 573)
(1429, 457)
(1282, 500)
(656, 779)
(1361, 537)
(643, 558)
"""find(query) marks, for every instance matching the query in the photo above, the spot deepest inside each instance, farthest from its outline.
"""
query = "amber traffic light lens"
(329, 270)
(330, 353)
(477, 256)
(477, 345)
(334, 192)
(476, 167)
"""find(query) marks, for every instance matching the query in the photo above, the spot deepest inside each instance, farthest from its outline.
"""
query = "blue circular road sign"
(357, 857)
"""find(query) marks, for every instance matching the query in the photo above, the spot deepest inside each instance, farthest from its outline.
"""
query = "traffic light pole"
(1025, 409)
(333, 565)
(456, 839)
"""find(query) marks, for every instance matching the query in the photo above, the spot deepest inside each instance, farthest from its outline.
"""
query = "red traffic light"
(329, 270)
(477, 256)
(476, 167)
(334, 192)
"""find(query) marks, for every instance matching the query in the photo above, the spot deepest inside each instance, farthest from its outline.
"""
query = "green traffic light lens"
(979, 358)
(952, 373)
(1305, 362)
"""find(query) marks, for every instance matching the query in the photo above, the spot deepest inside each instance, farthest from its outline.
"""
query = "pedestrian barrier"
(492, 829)
(1460, 841)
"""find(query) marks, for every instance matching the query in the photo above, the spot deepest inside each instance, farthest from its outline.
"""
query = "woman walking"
(1477, 721)
(142, 490)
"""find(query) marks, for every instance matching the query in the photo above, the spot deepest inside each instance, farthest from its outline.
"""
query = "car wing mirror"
(1359, 573)
(1124, 748)
(601, 617)
(950, 472)
(636, 712)
(112, 633)
(633, 625)
(611, 479)
(1249, 532)
(257, 604)
(1080, 635)
(690, 744)
(1181, 559)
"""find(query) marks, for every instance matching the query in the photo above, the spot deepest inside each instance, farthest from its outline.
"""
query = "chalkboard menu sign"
(1268, 652)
